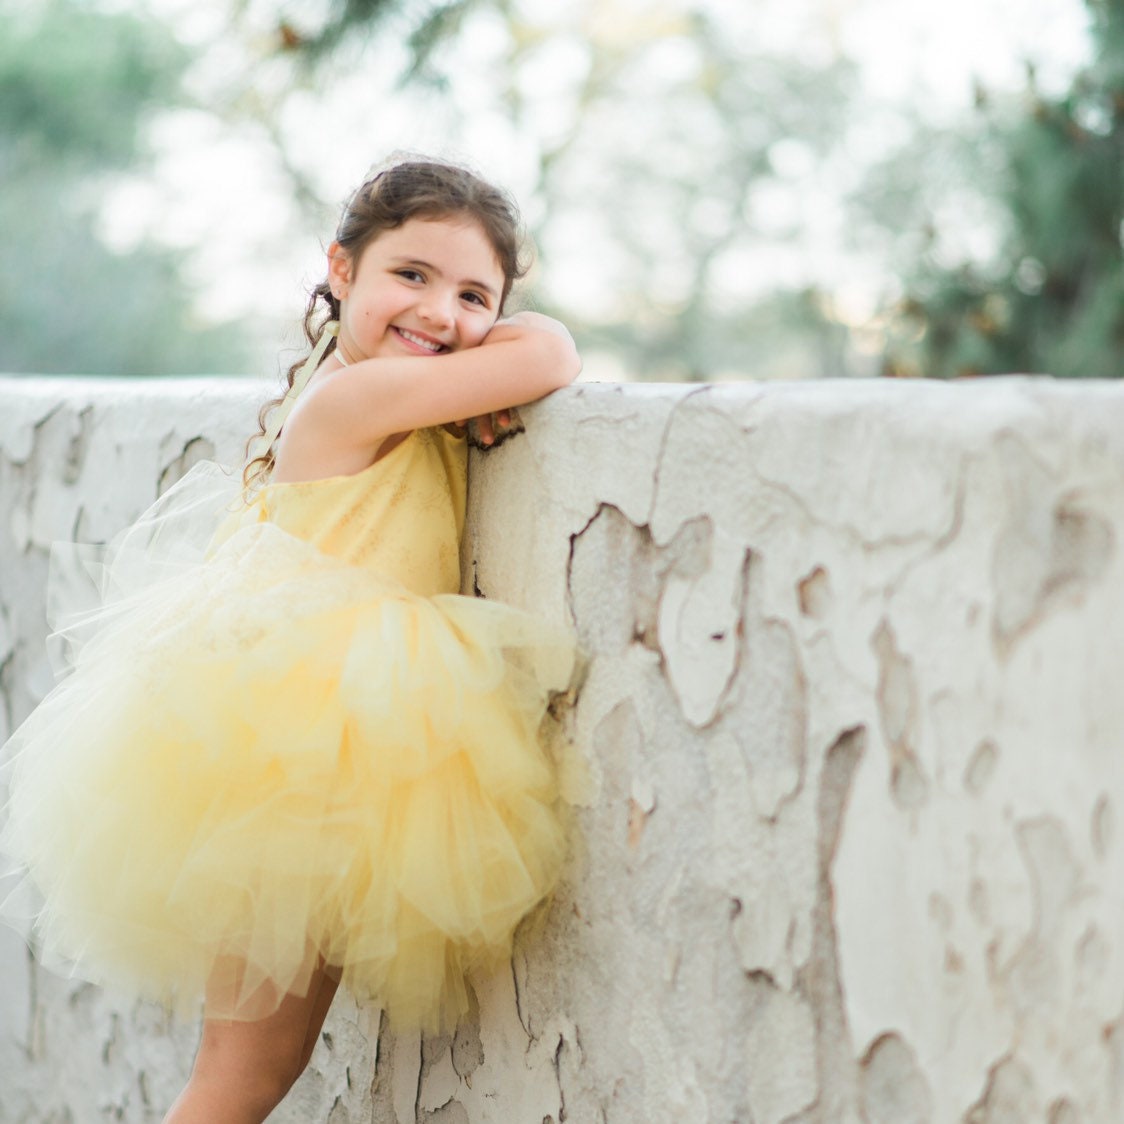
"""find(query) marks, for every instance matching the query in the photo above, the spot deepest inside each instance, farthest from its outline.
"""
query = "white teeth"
(427, 344)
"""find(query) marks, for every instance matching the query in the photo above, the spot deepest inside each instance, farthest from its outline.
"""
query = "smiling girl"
(300, 756)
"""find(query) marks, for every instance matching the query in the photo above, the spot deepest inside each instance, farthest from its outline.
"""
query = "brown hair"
(406, 190)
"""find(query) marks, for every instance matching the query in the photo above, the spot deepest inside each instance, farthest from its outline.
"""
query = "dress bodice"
(402, 516)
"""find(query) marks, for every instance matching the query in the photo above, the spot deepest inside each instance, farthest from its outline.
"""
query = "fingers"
(489, 429)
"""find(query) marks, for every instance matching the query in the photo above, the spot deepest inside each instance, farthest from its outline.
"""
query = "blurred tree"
(663, 138)
(682, 209)
(431, 25)
(76, 88)
(1049, 174)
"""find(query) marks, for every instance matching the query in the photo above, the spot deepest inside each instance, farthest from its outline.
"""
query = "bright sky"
(219, 191)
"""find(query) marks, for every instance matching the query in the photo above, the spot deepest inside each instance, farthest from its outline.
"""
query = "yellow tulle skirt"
(265, 760)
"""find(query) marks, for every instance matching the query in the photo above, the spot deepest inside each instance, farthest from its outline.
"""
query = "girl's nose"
(437, 308)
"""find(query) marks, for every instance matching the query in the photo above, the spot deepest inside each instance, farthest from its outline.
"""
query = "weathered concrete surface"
(848, 849)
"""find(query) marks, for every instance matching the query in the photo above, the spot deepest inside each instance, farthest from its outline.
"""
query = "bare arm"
(520, 360)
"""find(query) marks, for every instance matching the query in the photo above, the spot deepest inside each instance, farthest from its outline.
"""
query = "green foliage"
(438, 26)
(433, 24)
(74, 83)
(76, 88)
(69, 305)
(1052, 299)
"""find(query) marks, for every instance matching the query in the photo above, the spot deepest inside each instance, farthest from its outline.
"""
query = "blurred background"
(717, 189)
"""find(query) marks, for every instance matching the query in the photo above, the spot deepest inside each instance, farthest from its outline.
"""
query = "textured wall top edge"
(849, 849)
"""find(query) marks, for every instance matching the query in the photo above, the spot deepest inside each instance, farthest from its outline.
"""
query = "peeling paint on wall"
(846, 848)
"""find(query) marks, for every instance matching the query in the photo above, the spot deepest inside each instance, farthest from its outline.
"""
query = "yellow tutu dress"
(288, 743)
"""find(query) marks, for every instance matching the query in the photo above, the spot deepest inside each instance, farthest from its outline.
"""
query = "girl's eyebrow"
(433, 269)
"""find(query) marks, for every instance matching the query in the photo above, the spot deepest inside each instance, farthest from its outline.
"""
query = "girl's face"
(426, 287)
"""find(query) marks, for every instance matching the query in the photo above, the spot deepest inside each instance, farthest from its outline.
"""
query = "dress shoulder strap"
(283, 408)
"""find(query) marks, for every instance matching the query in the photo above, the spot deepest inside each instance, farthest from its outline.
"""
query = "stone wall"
(849, 846)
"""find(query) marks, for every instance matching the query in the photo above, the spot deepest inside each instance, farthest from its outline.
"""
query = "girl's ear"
(339, 270)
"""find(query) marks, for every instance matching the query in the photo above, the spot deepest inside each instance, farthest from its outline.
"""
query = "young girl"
(298, 756)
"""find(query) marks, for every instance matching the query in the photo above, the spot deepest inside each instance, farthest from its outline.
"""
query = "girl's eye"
(474, 298)
(410, 275)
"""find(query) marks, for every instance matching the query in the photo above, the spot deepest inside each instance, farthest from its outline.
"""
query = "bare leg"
(329, 982)
(244, 1069)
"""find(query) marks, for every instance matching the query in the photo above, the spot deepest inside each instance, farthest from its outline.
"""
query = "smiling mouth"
(432, 346)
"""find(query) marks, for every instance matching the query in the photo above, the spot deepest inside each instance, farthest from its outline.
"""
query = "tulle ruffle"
(264, 759)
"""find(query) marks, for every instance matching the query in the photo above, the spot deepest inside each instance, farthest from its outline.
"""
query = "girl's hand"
(487, 430)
